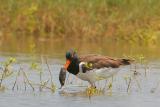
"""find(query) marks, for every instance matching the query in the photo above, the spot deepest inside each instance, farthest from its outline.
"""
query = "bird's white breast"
(97, 74)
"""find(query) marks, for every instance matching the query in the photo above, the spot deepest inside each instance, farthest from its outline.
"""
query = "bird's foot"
(93, 87)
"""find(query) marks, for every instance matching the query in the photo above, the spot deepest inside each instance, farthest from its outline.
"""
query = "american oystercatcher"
(91, 68)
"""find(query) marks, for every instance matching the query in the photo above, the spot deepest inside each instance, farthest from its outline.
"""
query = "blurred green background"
(110, 27)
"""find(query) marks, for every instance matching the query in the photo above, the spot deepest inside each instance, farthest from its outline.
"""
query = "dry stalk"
(26, 78)
(16, 78)
(129, 84)
(49, 71)
(4, 71)
(52, 83)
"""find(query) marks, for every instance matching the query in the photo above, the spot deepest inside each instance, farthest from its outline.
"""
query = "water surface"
(144, 96)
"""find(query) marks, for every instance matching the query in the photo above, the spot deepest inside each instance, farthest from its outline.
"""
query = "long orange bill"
(67, 64)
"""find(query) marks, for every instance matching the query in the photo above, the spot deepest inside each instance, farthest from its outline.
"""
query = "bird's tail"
(126, 61)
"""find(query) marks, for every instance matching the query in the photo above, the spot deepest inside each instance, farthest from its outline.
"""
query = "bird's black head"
(68, 55)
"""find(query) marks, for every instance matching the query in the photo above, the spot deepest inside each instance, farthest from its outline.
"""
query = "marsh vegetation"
(135, 21)
(35, 34)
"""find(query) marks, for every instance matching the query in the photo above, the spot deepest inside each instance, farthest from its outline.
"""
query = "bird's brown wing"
(99, 61)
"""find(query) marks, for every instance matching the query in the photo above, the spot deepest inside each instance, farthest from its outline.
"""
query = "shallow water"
(143, 95)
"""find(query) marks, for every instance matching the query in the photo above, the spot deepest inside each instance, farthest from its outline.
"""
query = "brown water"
(57, 48)
(144, 93)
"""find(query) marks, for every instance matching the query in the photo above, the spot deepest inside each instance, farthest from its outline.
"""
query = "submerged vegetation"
(133, 21)
(8, 73)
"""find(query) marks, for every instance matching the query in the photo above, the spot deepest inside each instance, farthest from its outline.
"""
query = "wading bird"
(91, 68)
